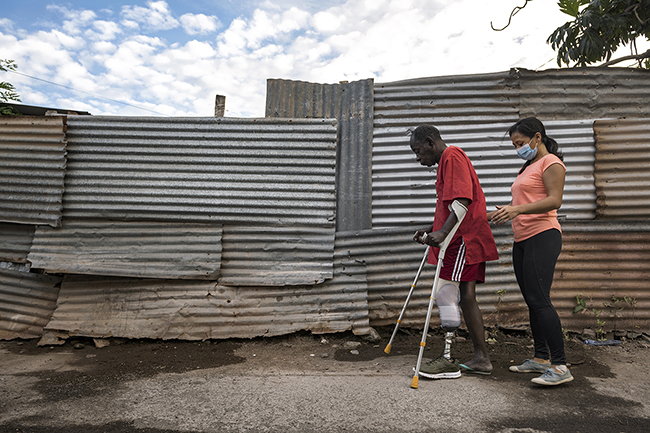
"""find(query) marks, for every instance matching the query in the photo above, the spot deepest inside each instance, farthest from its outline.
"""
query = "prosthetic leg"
(447, 298)
(450, 312)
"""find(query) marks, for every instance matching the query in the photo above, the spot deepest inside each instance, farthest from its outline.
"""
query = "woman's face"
(518, 139)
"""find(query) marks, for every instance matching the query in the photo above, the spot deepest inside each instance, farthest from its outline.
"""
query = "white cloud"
(261, 28)
(386, 40)
(6, 23)
(104, 31)
(293, 19)
(199, 24)
(156, 16)
(326, 22)
(132, 59)
(104, 47)
(76, 76)
(78, 20)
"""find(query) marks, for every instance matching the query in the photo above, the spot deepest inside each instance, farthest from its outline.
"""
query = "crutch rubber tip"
(414, 382)
(387, 349)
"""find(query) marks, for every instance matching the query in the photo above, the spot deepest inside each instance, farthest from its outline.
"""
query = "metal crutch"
(408, 298)
(441, 256)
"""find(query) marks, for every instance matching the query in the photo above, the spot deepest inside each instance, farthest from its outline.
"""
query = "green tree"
(7, 90)
(598, 29)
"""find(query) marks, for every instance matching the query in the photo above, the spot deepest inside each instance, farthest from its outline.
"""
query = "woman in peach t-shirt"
(536, 196)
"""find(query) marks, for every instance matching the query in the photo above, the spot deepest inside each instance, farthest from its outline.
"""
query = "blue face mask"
(526, 153)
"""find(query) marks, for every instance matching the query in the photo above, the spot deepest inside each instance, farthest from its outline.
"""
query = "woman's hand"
(503, 214)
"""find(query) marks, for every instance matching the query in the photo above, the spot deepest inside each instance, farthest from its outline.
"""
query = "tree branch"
(512, 14)
(645, 55)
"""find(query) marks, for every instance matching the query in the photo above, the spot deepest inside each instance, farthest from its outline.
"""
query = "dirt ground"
(90, 371)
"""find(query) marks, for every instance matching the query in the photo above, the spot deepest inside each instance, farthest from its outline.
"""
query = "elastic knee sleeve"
(447, 299)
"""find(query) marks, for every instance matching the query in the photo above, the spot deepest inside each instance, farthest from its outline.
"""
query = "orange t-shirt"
(529, 188)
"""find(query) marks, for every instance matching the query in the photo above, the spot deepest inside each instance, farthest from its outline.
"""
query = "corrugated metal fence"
(32, 167)
(584, 93)
(27, 301)
(606, 264)
(404, 192)
(252, 204)
(15, 242)
(147, 197)
(198, 310)
(252, 171)
(352, 105)
(392, 260)
(129, 249)
(623, 168)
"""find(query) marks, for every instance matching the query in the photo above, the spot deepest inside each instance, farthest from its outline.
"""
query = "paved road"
(293, 385)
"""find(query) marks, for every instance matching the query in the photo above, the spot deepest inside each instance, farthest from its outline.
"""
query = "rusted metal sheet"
(606, 264)
(242, 171)
(129, 249)
(447, 100)
(622, 168)
(276, 256)
(352, 105)
(15, 242)
(27, 301)
(584, 93)
(199, 310)
(404, 191)
(32, 168)
(392, 260)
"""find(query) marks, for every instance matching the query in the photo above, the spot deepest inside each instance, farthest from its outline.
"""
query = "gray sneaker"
(552, 377)
(530, 366)
(440, 368)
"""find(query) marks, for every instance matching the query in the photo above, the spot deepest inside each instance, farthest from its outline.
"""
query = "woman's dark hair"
(530, 126)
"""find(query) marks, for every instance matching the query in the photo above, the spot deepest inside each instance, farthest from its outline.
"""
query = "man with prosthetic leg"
(459, 198)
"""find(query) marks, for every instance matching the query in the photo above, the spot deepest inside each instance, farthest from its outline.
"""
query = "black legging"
(534, 262)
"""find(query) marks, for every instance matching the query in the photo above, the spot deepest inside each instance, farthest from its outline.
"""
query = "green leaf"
(571, 7)
(578, 309)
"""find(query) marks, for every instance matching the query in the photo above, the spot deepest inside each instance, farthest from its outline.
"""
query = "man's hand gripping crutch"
(449, 313)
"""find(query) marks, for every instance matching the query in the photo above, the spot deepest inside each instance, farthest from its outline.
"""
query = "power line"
(87, 93)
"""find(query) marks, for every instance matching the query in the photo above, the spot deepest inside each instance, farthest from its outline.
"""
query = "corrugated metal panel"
(26, 303)
(404, 191)
(601, 260)
(244, 171)
(32, 168)
(451, 100)
(392, 260)
(276, 256)
(623, 168)
(15, 242)
(584, 93)
(467, 109)
(352, 105)
(195, 310)
(129, 249)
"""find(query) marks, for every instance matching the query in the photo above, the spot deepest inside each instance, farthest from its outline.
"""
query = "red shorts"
(454, 267)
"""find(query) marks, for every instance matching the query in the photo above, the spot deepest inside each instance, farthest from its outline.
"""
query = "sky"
(172, 57)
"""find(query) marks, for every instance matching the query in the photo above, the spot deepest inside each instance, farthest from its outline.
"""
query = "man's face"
(425, 153)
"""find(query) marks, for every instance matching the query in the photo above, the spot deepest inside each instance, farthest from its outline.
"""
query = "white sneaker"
(552, 377)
